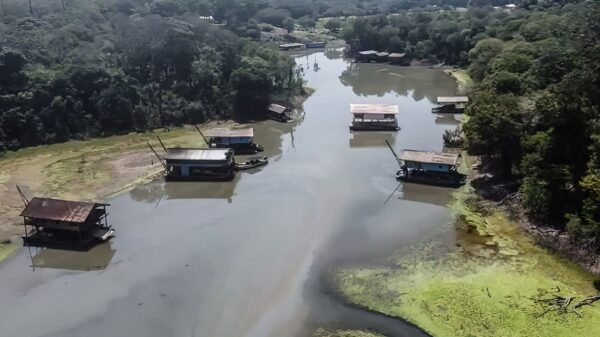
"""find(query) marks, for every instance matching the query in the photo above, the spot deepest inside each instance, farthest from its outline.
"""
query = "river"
(246, 258)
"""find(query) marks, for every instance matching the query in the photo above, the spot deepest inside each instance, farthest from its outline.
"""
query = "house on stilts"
(63, 224)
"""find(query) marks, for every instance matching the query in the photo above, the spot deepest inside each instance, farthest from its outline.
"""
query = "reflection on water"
(371, 139)
(372, 79)
(446, 119)
(96, 258)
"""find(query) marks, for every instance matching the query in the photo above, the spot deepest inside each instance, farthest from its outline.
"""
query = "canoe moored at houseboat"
(199, 164)
(432, 168)
(251, 163)
(241, 141)
(451, 104)
(63, 224)
(374, 117)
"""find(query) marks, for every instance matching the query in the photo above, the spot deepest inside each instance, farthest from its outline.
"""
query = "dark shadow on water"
(371, 139)
(96, 258)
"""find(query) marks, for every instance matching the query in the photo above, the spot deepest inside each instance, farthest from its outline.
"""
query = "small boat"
(252, 163)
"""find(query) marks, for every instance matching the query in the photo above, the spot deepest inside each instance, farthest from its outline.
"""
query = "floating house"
(199, 164)
(64, 224)
(382, 56)
(292, 46)
(374, 117)
(278, 113)
(451, 104)
(316, 44)
(430, 168)
(241, 141)
(399, 59)
(367, 56)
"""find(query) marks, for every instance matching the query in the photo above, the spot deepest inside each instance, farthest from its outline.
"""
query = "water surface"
(244, 258)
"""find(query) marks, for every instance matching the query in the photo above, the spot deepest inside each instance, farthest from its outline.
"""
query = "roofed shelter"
(430, 167)
(292, 46)
(240, 140)
(200, 164)
(451, 104)
(374, 117)
(277, 112)
(59, 223)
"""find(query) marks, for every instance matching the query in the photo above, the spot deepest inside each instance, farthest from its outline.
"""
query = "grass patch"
(6, 249)
(82, 170)
(463, 80)
(481, 284)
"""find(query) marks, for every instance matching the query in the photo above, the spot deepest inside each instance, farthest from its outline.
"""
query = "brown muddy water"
(246, 258)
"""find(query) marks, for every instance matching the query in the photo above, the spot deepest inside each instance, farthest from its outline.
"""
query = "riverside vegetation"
(533, 120)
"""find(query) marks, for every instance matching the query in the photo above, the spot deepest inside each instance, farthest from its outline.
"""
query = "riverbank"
(80, 170)
(492, 279)
(464, 81)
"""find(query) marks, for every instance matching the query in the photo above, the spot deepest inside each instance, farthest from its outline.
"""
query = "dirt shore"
(81, 170)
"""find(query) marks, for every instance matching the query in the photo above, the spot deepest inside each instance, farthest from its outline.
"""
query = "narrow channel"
(247, 257)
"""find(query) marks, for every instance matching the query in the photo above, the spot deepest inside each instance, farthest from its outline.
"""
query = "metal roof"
(429, 157)
(277, 108)
(229, 133)
(59, 210)
(373, 109)
(290, 45)
(397, 55)
(368, 52)
(453, 99)
(196, 154)
(382, 54)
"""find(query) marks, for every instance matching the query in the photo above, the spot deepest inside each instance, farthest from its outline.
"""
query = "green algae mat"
(479, 277)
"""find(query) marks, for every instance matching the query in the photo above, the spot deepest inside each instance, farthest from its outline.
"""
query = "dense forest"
(74, 69)
(534, 116)
(99, 68)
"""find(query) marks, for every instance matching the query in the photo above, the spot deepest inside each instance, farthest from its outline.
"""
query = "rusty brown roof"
(59, 210)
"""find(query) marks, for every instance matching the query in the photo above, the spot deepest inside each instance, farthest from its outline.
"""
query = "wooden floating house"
(376, 56)
(374, 117)
(64, 224)
(199, 164)
(367, 56)
(399, 59)
(430, 168)
(278, 112)
(451, 104)
(241, 141)
(292, 46)
(316, 44)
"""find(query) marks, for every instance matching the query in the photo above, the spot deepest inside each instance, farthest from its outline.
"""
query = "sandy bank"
(80, 170)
